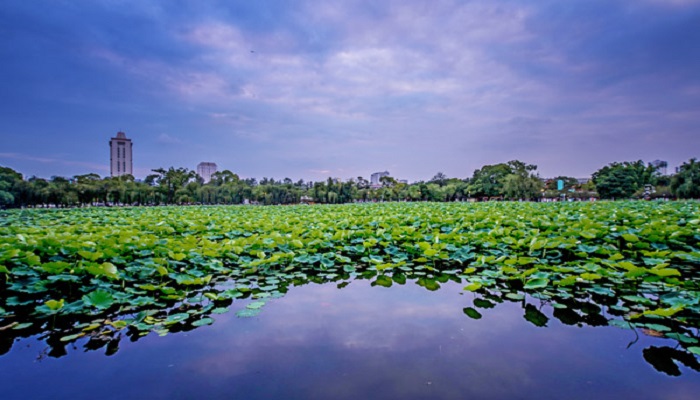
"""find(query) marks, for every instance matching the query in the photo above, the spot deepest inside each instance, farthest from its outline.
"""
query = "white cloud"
(445, 79)
(52, 160)
(164, 138)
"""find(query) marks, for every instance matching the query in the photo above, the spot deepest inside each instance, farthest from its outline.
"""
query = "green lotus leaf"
(537, 283)
(602, 291)
(70, 338)
(590, 277)
(473, 287)
(22, 325)
(481, 303)
(383, 280)
(681, 338)
(99, 299)
(55, 267)
(90, 255)
(107, 269)
(535, 316)
(515, 296)
(203, 321)
(630, 237)
(175, 318)
(63, 278)
(665, 272)
(247, 313)
(657, 327)
(568, 281)
(620, 324)
(664, 312)
(471, 313)
(255, 305)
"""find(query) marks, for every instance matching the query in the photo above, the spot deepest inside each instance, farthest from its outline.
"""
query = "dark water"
(360, 342)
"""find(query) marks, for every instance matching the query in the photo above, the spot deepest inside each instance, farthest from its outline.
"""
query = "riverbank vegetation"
(513, 180)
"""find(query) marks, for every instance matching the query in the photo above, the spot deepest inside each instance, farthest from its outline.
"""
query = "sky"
(317, 89)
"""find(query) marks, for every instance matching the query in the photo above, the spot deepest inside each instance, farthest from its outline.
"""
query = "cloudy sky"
(312, 89)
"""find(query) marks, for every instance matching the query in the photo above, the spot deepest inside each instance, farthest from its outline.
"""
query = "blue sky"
(312, 89)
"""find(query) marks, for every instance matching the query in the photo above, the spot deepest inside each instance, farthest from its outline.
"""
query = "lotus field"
(85, 275)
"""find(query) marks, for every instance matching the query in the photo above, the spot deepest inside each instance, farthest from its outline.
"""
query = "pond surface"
(364, 342)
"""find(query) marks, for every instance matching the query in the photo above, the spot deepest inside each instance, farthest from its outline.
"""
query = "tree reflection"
(104, 330)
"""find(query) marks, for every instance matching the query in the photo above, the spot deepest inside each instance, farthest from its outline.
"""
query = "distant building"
(375, 179)
(403, 181)
(205, 170)
(120, 159)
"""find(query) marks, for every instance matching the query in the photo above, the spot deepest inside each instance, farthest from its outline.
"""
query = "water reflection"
(249, 295)
(364, 342)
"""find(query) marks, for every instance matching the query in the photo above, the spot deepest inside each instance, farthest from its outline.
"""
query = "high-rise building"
(120, 160)
(374, 180)
(205, 170)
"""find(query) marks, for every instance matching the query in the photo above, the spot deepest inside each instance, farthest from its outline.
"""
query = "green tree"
(9, 181)
(623, 180)
(686, 183)
(223, 177)
(387, 181)
(522, 183)
(170, 181)
(439, 179)
(490, 180)
(88, 188)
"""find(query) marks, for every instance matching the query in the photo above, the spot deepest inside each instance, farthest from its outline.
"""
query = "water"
(361, 342)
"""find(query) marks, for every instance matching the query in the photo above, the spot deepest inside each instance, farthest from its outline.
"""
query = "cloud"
(358, 84)
(674, 3)
(164, 138)
(521, 121)
(50, 160)
(320, 171)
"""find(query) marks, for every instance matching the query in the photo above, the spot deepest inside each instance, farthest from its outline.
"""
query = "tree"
(686, 183)
(223, 177)
(9, 179)
(362, 183)
(170, 181)
(439, 178)
(522, 183)
(60, 192)
(490, 180)
(88, 188)
(387, 181)
(6, 196)
(622, 180)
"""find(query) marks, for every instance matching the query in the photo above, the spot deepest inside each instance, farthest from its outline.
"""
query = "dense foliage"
(96, 273)
(513, 180)
(686, 183)
(623, 180)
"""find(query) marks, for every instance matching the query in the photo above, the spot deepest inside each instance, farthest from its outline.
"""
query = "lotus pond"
(410, 300)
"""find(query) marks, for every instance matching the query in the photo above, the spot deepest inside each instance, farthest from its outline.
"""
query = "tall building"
(374, 179)
(205, 170)
(120, 160)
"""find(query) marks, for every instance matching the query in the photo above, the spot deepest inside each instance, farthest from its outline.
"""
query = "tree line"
(514, 180)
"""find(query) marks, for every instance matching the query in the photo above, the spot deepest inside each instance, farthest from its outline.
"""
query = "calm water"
(361, 342)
